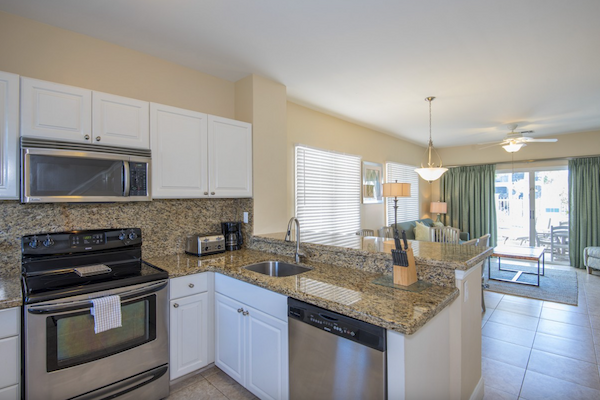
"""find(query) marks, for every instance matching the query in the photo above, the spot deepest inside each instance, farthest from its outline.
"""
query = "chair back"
(386, 232)
(444, 234)
(484, 240)
(365, 232)
(472, 242)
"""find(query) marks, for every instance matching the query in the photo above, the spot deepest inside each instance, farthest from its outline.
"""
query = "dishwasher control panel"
(337, 324)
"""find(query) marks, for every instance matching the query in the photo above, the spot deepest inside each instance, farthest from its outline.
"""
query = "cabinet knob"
(175, 305)
(206, 193)
(98, 138)
(191, 285)
(245, 313)
(240, 310)
(213, 193)
(87, 137)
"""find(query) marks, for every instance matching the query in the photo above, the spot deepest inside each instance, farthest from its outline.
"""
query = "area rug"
(556, 285)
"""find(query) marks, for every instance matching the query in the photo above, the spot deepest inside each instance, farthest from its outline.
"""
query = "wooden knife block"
(404, 276)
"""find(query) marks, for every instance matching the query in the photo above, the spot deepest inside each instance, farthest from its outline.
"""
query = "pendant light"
(431, 173)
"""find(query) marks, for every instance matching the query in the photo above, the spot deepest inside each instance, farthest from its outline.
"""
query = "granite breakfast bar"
(434, 336)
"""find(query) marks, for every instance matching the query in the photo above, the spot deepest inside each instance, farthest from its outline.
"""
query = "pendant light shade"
(513, 147)
(431, 172)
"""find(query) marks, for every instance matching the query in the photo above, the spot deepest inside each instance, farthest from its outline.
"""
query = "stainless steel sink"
(277, 268)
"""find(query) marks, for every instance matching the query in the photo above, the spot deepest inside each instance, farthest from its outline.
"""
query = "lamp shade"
(395, 189)
(438, 207)
(430, 174)
(513, 147)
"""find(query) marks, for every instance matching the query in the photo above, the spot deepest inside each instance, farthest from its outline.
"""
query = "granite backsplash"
(164, 223)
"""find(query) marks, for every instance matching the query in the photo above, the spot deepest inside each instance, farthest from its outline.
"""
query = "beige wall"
(41, 51)
(263, 103)
(315, 129)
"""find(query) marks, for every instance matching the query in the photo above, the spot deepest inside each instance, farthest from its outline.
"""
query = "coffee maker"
(233, 235)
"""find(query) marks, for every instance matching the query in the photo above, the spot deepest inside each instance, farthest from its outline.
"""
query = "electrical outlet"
(245, 217)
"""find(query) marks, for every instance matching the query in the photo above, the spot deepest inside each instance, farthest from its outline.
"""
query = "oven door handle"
(53, 308)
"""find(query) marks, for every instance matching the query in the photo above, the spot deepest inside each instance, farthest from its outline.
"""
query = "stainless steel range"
(64, 274)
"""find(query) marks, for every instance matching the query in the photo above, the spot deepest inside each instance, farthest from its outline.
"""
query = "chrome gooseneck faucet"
(288, 236)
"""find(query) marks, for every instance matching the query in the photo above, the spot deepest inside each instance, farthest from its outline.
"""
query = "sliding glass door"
(532, 210)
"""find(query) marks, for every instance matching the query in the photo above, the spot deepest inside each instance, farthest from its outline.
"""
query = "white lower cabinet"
(190, 322)
(10, 353)
(251, 337)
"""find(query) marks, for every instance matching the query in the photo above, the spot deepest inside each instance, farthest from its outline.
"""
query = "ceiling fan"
(515, 140)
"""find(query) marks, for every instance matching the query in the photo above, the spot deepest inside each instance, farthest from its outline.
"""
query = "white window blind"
(328, 188)
(408, 207)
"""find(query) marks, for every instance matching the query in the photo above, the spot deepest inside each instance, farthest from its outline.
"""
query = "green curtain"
(469, 193)
(584, 207)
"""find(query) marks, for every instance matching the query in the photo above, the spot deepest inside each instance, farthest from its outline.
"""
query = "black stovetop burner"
(50, 260)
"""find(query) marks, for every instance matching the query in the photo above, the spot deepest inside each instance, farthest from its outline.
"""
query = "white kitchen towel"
(107, 313)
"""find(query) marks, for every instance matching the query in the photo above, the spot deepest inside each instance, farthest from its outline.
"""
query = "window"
(328, 188)
(408, 207)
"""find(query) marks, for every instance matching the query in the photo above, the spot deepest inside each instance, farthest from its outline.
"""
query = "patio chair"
(444, 234)
(559, 241)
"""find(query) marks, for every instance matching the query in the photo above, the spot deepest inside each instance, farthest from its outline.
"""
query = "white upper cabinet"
(9, 133)
(229, 157)
(198, 155)
(61, 112)
(54, 111)
(120, 121)
(179, 152)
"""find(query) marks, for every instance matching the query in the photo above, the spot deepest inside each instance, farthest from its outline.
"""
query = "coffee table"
(520, 253)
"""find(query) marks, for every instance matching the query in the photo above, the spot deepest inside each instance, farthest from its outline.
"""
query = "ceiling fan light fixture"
(431, 172)
(513, 147)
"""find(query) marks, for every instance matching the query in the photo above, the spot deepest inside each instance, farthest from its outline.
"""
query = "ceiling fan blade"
(490, 145)
(531, 140)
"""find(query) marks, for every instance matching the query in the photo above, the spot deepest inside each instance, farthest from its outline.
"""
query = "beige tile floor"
(531, 350)
(210, 383)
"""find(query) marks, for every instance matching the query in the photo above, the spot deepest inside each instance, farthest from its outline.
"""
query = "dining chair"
(472, 242)
(485, 242)
(365, 232)
(386, 232)
(444, 234)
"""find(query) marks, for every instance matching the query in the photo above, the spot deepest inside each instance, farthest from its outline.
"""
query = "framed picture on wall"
(372, 187)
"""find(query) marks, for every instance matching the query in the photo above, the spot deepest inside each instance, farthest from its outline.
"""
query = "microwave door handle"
(126, 175)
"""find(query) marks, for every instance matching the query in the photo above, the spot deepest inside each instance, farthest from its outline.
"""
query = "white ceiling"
(489, 63)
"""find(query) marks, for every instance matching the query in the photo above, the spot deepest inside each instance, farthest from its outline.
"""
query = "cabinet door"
(229, 157)
(120, 121)
(189, 334)
(54, 111)
(9, 368)
(267, 356)
(9, 128)
(178, 140)
(229, 338)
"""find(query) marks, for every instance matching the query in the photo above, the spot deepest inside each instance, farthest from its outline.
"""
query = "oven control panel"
(79, 241)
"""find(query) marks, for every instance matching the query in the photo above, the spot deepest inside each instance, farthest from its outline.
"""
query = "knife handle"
(404, 240)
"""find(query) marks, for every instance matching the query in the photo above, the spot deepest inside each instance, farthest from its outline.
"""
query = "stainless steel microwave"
(54, 171)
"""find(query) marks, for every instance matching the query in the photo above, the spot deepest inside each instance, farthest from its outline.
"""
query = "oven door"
(64, 358)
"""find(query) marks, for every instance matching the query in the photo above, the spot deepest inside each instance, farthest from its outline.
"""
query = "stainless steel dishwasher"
(333, 356)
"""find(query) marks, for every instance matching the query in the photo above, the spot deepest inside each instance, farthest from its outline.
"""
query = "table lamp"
(395, 190)
(438, 207)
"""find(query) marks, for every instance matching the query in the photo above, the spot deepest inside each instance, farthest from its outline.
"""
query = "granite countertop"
(347, 291)
(449, 256)
(10, 290)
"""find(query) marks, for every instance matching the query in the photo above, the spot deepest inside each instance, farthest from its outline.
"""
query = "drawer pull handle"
(245, 313)
(98, 138)
(87, 137)
(213, 193)
(191, 285)
(175, 305)
(240, 310)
